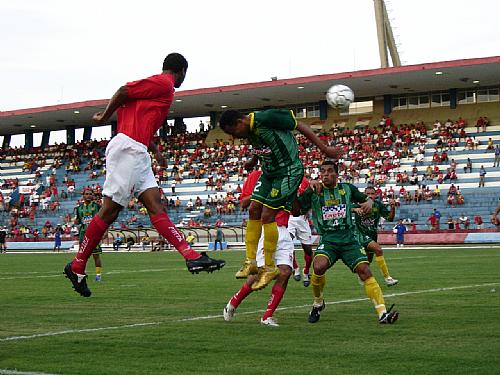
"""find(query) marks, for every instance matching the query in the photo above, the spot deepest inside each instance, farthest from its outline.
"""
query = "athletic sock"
(270, 243)
(98, 270)
(276, 296)
(295, 264)
(240, 295)
(318, 284)
(374, 292)
(308, 260)
(254, 230)
(170, 232)
(93, 235)
(382, 265)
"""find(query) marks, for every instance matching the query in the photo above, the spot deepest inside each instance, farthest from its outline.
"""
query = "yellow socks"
(98, 270)
(382, 265)
(270, 243)
(374, 292)
(254, 230)
(318, 284)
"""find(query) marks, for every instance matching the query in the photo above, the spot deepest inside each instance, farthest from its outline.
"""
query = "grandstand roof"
(275, 93)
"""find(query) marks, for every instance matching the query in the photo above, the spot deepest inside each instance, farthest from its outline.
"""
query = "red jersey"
(147, 107)
(246, 191)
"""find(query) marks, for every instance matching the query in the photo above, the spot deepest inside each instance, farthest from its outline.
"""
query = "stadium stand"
(41, 188)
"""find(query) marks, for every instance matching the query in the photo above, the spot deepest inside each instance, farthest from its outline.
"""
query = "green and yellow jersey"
(84, 214)
(331, 211)
(368, 225)
(274, 143)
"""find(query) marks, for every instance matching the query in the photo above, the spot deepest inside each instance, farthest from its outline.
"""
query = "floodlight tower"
(385, 36)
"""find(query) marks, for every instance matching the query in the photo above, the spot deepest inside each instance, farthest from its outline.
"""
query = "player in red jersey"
(283, 257)
(142, 106)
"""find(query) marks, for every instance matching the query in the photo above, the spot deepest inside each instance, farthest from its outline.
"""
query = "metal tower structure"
(385, 36)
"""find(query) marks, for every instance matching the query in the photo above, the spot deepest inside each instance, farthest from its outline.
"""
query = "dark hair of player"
(370, 188)
(332, 163)
(175, 62)
(229, 118)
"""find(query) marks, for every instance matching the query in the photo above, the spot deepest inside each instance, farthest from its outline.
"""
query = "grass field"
(150, 316)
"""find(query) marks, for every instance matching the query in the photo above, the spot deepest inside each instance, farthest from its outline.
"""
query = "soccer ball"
(339, 97)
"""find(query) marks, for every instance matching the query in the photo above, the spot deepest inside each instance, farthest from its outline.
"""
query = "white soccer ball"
(339, 97)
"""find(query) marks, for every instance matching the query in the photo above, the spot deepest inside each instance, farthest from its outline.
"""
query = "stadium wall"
(234, 237)
(443, 237)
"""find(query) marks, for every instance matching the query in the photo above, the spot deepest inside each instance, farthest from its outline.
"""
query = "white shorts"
(284, 249)
(299, 229)
(128, 169)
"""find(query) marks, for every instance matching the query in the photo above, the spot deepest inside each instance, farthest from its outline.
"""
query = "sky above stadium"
(66, 51)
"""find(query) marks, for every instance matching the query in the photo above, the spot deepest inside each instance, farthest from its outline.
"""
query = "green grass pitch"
(150, 316)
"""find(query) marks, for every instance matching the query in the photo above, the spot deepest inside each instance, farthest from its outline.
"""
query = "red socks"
(240, 295)
(295, 264)
(276, 296)
(275, 299)
(93, 235)
(98, 227)
(308, 260)
(168, 230)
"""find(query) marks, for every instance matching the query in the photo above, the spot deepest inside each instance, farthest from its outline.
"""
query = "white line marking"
(14, 338)
(110, 272)
(13, 372)
(117, 272)
(191, 319)
(385, 247)
(28, 277)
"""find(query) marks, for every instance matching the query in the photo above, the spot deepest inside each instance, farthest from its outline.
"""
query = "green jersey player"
(331, 206)
(275, 146)
(367, 226)
(84, 214)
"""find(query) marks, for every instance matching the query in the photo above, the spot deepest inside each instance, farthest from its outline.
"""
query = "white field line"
(385, 247)
(207, 317)
(107, 273)
(14, 372)
(116, 272)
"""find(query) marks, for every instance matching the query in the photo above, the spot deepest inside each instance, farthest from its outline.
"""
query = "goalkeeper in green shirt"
(331, 205)
(275, 146)
(367, 226)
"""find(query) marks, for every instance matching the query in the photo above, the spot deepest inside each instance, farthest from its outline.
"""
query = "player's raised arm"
(119, 98)
(331, 152)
